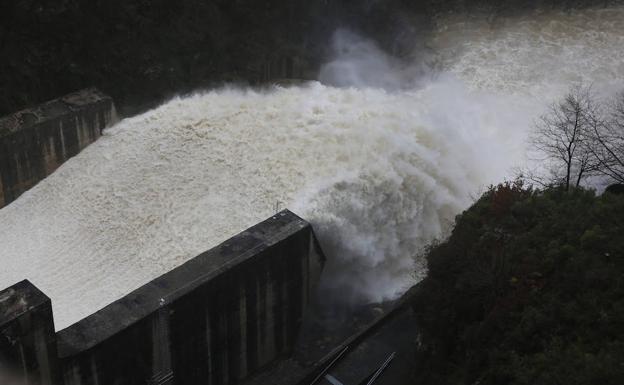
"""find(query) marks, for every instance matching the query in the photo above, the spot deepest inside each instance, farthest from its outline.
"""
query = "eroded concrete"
(36, 141)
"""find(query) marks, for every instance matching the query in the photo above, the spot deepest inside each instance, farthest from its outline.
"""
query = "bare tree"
(607, 144)
(562, 138)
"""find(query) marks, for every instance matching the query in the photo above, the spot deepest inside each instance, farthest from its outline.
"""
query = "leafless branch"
(562, 136)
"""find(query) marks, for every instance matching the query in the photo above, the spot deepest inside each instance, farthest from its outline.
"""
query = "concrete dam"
(231, 315)
(36, 141)
(378, 157)
(217, 319)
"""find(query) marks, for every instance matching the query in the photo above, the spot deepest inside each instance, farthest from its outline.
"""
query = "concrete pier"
(217, 319)
(36, 141)
(27, 341)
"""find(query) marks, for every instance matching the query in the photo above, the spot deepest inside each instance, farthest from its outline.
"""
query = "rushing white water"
(380, 173)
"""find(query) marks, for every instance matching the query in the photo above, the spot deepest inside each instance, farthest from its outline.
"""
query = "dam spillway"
(216, 319)
(379, 172)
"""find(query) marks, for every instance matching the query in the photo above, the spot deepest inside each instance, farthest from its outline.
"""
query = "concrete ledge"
(216, 319)
(36, 141)
(171, 286)
(27, 342)
(53, 109)
(19, 299)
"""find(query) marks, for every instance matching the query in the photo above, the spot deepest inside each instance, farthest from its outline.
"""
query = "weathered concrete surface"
(217, 319)
(214, 320)
(28, 353)
(232, 315)
(384, 327)
(36, 141)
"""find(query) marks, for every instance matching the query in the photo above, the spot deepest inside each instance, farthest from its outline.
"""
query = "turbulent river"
(380, 165)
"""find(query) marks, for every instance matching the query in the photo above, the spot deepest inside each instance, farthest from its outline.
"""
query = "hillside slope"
(529, 289)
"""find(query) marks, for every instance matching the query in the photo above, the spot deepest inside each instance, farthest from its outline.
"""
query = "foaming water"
(379, 173)
(539, 54)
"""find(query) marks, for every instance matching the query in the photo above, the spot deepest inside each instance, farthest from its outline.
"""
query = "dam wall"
(36, 141)
(217, 319)
(28, 353)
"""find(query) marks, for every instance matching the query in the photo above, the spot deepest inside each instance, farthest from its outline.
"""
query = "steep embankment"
(529, 289)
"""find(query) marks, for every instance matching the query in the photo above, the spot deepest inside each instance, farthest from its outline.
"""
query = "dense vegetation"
(141, 51)
(529, 289)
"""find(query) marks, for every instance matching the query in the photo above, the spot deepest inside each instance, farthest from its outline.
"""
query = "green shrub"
(528, 289)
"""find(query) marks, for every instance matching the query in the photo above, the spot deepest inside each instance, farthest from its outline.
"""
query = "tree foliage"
(529, 289)
(138, 50)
